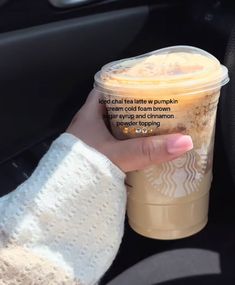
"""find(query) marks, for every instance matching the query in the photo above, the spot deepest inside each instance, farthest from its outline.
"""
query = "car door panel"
(50, 67)
(40, 66)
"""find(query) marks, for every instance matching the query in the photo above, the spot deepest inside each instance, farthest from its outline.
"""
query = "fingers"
(89, 125)
(92, 111)
(131, 154)
(92, 108)
(139, 153)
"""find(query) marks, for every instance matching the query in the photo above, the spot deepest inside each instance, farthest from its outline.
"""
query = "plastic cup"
(171, 90)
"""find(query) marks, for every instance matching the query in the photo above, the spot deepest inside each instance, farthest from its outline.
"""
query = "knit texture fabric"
(66, 221)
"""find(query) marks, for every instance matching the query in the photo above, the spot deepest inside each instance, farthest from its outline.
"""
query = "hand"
(131, 154)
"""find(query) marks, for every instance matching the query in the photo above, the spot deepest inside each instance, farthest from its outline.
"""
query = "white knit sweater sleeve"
(65, 223)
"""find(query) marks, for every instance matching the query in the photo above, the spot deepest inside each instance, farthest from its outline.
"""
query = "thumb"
(139, 153)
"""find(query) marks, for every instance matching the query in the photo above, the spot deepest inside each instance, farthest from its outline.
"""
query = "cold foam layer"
(168, 69)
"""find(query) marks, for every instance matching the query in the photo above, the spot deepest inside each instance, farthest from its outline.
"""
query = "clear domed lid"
(183, 66)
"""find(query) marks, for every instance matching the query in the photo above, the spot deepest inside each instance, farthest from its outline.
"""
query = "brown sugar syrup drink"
(172, 90)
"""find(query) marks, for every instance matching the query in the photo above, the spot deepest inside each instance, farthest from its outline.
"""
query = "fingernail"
(179, 144)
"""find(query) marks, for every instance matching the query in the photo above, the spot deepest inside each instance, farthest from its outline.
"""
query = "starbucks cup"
(171, 90)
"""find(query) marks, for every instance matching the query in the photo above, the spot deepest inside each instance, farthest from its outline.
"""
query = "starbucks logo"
(179, 177)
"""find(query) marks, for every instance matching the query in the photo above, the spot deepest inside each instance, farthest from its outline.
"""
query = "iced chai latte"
(172, 90)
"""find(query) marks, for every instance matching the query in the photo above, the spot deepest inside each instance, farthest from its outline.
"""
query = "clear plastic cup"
(171, 90)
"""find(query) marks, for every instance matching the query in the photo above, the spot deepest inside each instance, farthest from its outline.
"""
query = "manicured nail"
(179, 144)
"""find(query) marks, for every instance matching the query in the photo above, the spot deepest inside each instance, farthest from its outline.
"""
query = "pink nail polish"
(179, 144)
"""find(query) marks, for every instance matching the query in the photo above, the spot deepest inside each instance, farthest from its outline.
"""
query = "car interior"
(49, 53)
